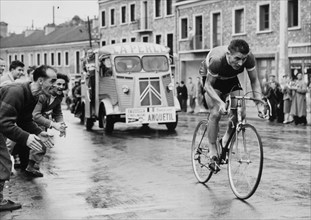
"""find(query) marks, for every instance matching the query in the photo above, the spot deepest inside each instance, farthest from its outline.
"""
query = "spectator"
(287, 100)
(16, 71)
(30, 71)
(2, 67)
(89, 68)
(17, 102)
(48, 108)
(191, 88)
(184, 96)
(299, 103)
(275, 97)
(179, 94)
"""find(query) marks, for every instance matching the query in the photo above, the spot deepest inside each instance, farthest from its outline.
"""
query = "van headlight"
(125, 89)
(170, 87)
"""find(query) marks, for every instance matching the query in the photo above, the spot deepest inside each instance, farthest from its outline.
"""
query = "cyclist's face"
(236, 59)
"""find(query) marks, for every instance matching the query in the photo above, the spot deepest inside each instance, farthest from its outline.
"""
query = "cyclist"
(220, 68)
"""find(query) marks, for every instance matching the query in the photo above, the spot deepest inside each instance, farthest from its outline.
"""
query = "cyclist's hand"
(223, 108)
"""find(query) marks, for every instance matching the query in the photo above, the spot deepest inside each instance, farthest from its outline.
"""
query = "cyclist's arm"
(255, 84)
(208, 87)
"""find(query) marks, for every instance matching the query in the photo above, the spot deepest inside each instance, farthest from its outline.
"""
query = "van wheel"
(108, 124)
(89, 123)
(171, 126)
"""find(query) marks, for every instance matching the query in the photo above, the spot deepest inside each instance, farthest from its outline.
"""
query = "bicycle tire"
(199, 153)
(245, 162)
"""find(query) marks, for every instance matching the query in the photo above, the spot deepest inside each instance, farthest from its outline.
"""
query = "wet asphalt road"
(146, 174)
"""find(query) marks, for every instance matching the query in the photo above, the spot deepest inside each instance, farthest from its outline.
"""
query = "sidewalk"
(251, 113)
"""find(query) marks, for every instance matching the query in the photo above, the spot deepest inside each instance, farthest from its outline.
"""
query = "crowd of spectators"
(30, 105)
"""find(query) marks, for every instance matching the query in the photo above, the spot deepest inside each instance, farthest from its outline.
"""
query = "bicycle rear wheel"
(245, 162)
(200, 153)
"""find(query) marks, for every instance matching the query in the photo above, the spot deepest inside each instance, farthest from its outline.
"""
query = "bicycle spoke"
(200, 153)
(245, 162)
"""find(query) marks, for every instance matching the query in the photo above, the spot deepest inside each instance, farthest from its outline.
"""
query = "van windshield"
(128, 64)
(155, 63)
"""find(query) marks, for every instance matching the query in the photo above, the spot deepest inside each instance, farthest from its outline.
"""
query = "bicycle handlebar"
(262, 115)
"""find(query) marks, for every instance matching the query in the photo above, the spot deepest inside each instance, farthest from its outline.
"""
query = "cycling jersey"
(217, 66)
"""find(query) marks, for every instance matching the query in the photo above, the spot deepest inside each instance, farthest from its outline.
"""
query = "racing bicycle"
(243, 152)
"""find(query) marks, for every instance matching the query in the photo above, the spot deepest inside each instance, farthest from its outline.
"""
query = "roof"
(65, 34)
(133, 48)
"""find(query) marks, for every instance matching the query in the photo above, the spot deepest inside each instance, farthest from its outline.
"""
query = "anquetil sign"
(150, 115)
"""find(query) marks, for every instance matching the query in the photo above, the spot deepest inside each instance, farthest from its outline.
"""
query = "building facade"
(217, 22)
(61, 47)
(137, 20)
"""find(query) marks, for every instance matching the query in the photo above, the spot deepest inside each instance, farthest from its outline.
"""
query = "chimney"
(49, 28)
(3, 29)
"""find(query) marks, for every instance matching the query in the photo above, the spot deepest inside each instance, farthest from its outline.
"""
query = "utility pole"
(53, 15)
(89, 29)
(283, 46)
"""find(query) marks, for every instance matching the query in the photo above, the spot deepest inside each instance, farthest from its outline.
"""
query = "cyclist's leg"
(232, 116)
(213, 124)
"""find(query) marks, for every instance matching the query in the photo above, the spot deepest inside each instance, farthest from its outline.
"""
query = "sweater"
(16, 107)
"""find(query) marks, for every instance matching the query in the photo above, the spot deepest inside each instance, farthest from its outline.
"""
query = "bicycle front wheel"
(200, 153)
(245, 162)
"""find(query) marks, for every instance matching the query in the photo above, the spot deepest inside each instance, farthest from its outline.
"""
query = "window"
(10, 59)
(45, 58)
(197, 40)
(184, 28)
(216, 29)
(264, 17)
(123, 14)
(22, 58)
(293, 13)
(123, 40)
(103, 19)
(133, 39)
(158, 39)
(238, 19)
(77, 61)
(112, 16)
(15, 57)
(38, 59)
(169, 8)
(157, 8)
(59, 59)
(113, 41)
(170, 43)
(145, 39)
(52, 59)
(66, 58)
(103, 43)
(132, 13)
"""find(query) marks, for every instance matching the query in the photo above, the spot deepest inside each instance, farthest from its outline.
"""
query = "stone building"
(192, 27)
(216, 22)
(137, 20)
(61, 47)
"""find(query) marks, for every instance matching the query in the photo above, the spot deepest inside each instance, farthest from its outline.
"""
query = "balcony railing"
(143, 25)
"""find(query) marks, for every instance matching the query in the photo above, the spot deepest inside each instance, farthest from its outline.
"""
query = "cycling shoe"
(214, 164)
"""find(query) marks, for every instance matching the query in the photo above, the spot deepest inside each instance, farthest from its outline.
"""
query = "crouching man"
(17, 102)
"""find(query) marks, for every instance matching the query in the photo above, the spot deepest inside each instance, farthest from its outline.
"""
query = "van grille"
(150, 92)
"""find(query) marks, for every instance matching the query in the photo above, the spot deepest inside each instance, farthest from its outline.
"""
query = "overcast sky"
(19, 14)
